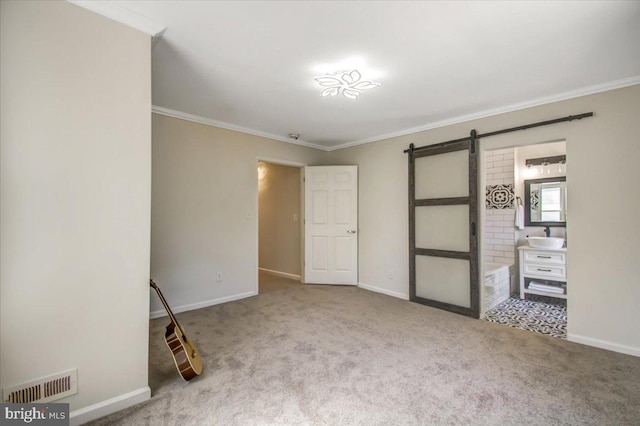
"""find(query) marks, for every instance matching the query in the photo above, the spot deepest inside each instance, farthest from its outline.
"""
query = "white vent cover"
(44, 389)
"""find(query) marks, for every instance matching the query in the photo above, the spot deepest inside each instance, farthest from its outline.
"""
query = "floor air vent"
(42, 390)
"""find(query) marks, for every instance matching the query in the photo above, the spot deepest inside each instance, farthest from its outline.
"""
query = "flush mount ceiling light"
(349, 83)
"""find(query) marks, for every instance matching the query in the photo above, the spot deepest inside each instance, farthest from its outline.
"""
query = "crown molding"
(215, 123)
(599, 88)
(617, 84)
(119, 13)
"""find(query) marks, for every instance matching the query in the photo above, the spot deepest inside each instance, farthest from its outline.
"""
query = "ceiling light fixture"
(350, 84)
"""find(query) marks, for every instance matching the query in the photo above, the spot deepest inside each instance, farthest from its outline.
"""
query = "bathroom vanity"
(543, 271)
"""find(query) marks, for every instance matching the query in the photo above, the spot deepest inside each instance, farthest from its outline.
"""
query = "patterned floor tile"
(540, 314)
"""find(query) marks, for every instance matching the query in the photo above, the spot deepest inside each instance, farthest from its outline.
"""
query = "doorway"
(504, 175)
(279, 225)
(325, 250)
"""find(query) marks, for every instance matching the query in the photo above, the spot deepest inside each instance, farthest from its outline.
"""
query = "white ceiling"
(250, 66)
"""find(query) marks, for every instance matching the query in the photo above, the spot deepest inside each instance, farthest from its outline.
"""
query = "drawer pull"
(544, 270)
(543, 257)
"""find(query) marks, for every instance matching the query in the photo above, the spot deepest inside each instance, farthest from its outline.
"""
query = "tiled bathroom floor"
(540, 314)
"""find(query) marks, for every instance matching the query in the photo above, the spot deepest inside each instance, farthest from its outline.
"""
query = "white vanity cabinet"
(545, 269)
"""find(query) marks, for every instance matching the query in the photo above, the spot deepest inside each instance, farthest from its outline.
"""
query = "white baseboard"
(603, 344)
(280, 274)
(109, 406)
(203, 304)
(384, 291)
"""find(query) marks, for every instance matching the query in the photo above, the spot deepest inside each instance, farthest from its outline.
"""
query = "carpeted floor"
(335, 355)
(540, 314)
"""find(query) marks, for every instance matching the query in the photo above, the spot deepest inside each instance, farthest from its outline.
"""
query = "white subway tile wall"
(499, 225)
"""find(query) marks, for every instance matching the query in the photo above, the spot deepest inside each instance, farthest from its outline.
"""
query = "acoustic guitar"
(185, 355)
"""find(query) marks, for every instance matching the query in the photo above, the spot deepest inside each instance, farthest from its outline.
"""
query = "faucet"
(547, 231)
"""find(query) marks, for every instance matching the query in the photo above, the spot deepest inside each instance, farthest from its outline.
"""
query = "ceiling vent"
(45, 389)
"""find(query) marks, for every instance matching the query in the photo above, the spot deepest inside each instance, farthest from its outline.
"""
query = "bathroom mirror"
(545, 202)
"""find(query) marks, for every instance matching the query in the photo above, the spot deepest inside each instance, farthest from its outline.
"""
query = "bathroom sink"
(546, 242)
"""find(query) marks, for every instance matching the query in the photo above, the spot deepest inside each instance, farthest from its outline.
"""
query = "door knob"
(351, 231)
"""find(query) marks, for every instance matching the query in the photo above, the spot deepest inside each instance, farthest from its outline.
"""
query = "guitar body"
(185, 355)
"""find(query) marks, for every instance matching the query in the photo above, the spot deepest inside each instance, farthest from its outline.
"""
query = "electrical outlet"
(219, 277)
(390, 274)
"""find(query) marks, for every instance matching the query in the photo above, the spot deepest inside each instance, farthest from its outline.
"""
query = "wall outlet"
(390, 274)
(219, 277)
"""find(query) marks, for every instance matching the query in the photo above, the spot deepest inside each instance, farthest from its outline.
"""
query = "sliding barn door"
(443, 245)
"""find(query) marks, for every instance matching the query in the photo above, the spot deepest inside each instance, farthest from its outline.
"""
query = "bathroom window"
(551, 204)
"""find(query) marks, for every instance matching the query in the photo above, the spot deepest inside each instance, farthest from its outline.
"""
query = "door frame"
(493, 145)
(280, 162)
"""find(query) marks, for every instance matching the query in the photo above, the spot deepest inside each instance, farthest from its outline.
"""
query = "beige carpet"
(324, 355)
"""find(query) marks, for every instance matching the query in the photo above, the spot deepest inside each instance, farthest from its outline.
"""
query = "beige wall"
(75, 179)
(603, 242)
(75, 201)
(204, 210)
(279, 221)
(383, 234)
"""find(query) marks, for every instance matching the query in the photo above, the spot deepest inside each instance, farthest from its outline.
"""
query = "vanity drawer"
(558, 257)
(548, 271)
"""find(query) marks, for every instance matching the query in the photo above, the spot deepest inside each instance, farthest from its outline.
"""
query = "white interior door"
(331, 225)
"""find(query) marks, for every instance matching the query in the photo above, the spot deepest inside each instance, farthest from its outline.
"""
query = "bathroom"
(509, 296)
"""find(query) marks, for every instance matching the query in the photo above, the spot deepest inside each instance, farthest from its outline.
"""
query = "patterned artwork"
(534, 200)
(540, 314)
(499, 196)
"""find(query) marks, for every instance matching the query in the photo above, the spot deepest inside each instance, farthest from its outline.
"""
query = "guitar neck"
(164, 302)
